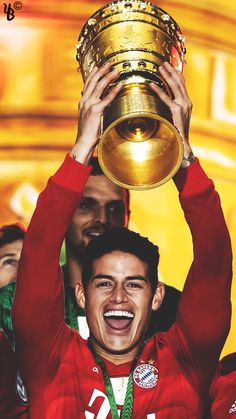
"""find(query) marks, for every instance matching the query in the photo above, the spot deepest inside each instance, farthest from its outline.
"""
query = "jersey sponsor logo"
(233, 408)
(104, 408)
(145, 376)
(21, 391)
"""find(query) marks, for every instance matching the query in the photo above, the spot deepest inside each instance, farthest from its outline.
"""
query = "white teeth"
(118, 313)
(95, 233)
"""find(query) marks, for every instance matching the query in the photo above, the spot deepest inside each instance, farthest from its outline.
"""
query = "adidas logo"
(233, 408)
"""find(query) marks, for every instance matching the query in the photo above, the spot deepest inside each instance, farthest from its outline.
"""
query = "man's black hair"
(124, 240)
(97, 171)
(96, 168)
(10, 233)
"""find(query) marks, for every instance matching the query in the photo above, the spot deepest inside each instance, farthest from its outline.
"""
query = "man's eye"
(136, 285)
(104, 284)
(10, 262)
(117, 208)
(87, 203)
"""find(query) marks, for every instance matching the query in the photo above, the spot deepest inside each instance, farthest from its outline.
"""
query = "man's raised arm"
(203, 319)
(38, 309)
(205, 308)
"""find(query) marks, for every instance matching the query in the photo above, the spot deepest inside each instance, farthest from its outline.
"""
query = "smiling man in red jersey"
(115, 373)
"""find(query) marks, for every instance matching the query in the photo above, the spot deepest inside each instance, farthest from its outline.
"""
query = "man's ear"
(127, 218)
(158, 296)
(79, 295)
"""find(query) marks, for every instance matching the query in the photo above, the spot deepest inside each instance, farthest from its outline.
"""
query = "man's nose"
(100, 215)
(118, 295)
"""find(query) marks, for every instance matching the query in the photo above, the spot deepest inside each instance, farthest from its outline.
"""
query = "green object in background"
(72, 310)
(63, 254)
(6, 298)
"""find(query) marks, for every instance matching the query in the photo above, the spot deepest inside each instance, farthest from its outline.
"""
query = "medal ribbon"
(128, 404)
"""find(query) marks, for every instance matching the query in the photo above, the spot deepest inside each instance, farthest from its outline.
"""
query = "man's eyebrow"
(136, 277)
(127, 278)
(102, 276)
(88, 197)
(118, 200)
(7, 255)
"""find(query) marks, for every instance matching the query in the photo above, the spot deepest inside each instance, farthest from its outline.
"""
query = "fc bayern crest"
(145, 376)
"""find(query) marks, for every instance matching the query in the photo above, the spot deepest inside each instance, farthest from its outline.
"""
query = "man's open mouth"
(118, 319)
(94, 232)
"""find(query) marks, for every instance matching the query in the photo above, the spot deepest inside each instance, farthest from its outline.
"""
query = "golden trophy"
(139, 148)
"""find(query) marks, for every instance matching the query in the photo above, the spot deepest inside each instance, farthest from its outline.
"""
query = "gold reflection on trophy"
(140, 148)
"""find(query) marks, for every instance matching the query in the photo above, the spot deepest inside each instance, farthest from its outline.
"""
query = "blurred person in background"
(13, 400)
(11, 242)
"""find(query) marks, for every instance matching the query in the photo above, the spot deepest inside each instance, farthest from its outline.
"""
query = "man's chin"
(116, 347)
(77, 251)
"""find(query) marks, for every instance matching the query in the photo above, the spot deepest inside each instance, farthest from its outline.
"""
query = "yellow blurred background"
(40, 89)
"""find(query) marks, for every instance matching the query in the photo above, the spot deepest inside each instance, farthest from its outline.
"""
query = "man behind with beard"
(104, 205)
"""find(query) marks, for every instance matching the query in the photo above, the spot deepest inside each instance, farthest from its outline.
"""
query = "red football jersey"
(173, 373)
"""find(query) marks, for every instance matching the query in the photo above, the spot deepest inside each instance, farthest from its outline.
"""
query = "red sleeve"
(38, 308)
(203, 320)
